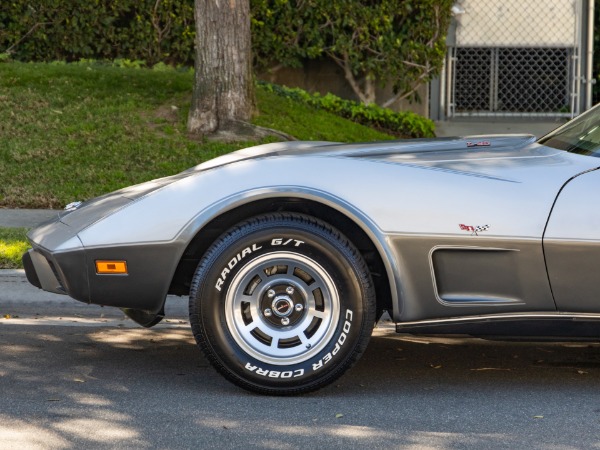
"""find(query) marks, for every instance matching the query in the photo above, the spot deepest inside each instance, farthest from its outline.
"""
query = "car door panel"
(572, 245)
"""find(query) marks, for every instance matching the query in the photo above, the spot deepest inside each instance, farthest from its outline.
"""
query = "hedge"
(69, 30)
(404, 124)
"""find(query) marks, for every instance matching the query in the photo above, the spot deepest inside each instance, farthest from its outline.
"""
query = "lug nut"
(267, 312)
(270, 293)
(298, 307)
(289, 290)
(285, 321)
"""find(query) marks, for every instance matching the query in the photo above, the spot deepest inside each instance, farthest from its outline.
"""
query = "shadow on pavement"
(107, 386)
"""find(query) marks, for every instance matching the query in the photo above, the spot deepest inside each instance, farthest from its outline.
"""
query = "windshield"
(580, 135)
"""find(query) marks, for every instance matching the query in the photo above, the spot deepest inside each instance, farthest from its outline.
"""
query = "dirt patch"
(168, 113)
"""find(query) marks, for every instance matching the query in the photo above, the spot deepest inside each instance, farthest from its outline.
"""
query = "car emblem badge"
(71, 206)
(479, 144)
(474, 229)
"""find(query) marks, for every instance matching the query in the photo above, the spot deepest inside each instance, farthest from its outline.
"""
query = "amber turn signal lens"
(111, 267)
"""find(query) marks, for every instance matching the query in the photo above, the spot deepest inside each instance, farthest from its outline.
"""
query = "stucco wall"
(516, 23)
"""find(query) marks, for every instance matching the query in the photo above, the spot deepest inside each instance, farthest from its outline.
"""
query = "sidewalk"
(465, 126)
(25, 218)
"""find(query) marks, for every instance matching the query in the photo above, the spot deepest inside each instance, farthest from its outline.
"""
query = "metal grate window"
(512, 80)
(514, 57)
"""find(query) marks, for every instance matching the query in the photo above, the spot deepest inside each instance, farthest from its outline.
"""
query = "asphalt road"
(76, 376)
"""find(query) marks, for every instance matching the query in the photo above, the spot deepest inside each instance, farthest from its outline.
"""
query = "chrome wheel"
(282, 308)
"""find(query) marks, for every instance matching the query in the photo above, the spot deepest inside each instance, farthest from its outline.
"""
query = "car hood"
(378, 148)
(505, 157)
(510, 158)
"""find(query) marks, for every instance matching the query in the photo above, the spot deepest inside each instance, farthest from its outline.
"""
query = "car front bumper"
(59, 262)
(61, 273)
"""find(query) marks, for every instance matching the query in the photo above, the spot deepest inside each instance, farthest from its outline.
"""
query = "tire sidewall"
(306, 240)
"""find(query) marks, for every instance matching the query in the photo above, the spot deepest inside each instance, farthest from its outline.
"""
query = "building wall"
(517, 23)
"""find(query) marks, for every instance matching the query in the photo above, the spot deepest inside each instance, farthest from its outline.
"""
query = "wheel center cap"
(282, 306)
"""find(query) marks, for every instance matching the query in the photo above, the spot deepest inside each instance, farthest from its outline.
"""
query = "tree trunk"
(223, 86)
(366, 94)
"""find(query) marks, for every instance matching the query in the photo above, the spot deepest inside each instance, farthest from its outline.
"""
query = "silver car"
(290, 252)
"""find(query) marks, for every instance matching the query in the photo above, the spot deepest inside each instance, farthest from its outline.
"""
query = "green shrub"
(402, 124)
(69, 30)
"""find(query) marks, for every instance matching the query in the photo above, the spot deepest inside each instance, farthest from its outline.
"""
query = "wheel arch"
(356, 226)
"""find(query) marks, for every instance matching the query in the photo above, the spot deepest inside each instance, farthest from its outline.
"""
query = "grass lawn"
(74, 131)
(13, 244)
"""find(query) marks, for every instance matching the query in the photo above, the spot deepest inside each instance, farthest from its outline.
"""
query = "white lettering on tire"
(284, 242)
(338, 345)
(233, 262)
(274, 373)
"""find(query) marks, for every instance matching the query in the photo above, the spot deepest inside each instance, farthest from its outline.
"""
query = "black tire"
(282, 304)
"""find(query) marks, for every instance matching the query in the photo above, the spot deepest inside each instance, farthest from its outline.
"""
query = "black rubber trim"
(30, 272)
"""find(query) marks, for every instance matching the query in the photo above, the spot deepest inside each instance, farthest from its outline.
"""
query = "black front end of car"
(60, 273)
